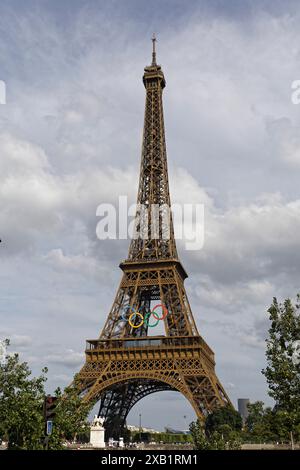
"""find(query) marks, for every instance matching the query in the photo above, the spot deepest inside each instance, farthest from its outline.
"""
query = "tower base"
(120, 372)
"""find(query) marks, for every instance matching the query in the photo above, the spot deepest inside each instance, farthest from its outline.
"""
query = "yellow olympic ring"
(130, 317)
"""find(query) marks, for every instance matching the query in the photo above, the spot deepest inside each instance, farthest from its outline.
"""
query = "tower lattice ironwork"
(125, 363)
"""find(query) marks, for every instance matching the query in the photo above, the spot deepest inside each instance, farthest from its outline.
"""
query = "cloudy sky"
(70, 137)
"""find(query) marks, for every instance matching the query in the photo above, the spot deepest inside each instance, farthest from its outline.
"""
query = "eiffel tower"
(125, 363)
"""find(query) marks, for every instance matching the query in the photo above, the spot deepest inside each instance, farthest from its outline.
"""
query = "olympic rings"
(144, 318)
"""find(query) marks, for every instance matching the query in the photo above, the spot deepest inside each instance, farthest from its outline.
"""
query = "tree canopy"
(22, 422)
(223, 416)
(21, 404)
(283, 369)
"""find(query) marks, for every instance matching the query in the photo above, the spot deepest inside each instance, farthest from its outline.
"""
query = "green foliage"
(266, 425)
(226, 416)
(258, 426)
(282, 373)
(165, 437)
(170, 438)
(282, 423)
(225, 438)
(283, 377)
(256, 412)
(22, 396)
(71, 414)
(126, 434)
(199, 438)
(21, 404)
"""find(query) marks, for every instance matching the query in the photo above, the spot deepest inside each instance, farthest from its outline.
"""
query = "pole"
(140, 417)
(292, 440)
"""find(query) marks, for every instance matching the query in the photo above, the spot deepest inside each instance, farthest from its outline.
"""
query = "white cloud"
(285, 140)
(81, 263)
(67, 358)
(20, 341)
(252, 243)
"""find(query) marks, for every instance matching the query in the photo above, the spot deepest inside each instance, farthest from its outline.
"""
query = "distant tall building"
(243, 408)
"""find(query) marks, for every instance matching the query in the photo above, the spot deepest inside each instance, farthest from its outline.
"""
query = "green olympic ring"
(146, 320)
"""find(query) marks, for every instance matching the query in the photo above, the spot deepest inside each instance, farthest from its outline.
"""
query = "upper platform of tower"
(153, 73)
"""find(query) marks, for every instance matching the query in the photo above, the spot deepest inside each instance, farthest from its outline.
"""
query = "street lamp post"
(140, 418)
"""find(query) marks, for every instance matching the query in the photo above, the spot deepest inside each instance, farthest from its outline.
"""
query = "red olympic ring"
(164, 308)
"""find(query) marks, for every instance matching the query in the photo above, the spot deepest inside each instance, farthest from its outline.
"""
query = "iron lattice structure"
(125, 364)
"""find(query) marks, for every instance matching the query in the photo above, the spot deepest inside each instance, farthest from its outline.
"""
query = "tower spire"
(159, 241)
(154, 40)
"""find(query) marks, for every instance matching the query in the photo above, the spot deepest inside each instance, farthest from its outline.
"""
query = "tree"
(223, 416)
(283, 371)
(256, 413)
(71, 414)
(199, 439)
(282, 423)
(259, 427)
(283, 365)
(22, 422)
(21, 404)
(126, 434)
(265, 424)
(224, 439)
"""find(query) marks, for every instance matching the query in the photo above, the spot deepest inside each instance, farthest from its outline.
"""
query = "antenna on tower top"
(153, 49)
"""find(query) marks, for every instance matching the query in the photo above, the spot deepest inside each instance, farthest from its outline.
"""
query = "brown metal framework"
(125, 364)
